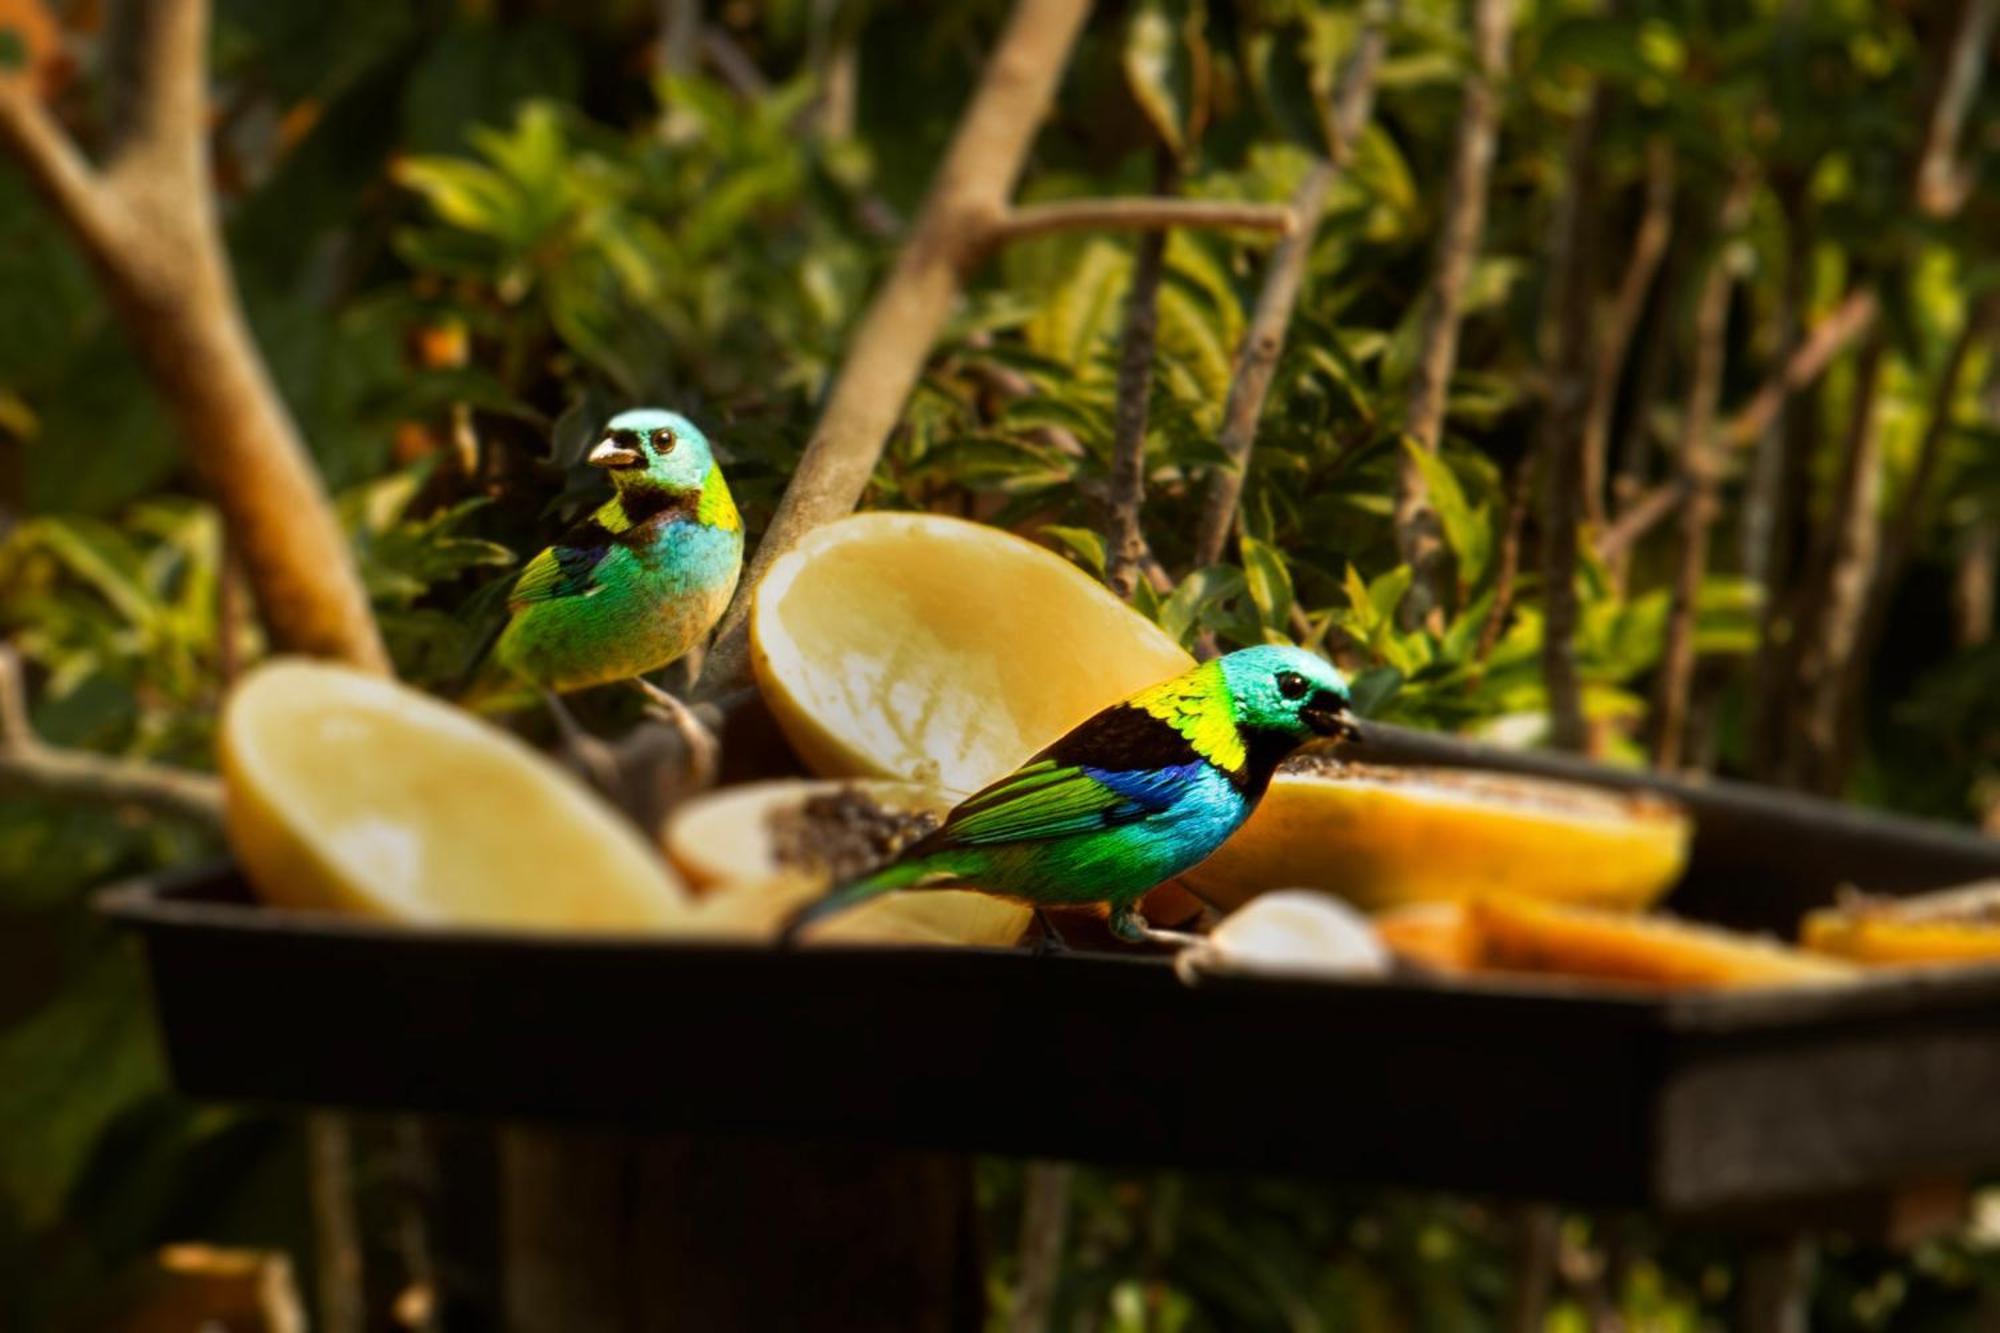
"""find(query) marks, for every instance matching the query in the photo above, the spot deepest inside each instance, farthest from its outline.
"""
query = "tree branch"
(1649, 248)
(28, 764)
(1699, 470)
(1942, 185)
(1419, 537)
(1840, 327)
(59, 171)
(1640, 518)
(888, 349)
(1125, 548)
(1031, 220)
(1284, 274)
(166, 130)
(1568, 324)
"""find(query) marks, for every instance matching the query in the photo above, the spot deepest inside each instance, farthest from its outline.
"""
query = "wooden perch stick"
(1257, 361)
(1419, 536)
(147, 223)
(60, 774)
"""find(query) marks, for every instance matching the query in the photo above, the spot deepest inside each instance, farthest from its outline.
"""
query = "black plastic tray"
(1685, 1104)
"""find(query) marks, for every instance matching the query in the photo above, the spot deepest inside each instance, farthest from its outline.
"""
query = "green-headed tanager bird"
(1137, 794)
(640, 581)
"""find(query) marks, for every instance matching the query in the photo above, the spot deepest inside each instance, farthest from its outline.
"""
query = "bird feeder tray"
(1688, 1104)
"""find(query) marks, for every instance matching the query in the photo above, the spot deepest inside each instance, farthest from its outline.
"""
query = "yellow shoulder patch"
(1197, 706)
(611, 516)
(717, 508)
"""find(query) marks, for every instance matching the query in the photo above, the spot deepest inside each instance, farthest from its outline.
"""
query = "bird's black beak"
(613, 453)
(1326, 713)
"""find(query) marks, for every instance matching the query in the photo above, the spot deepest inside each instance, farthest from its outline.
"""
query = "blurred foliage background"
(468, 230)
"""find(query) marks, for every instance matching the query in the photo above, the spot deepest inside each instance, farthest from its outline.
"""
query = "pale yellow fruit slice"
(764, 848)
(931, 649)
(1385, 837)
(1951, 926)
(349, 792)
(757, 910)
(1518, 935)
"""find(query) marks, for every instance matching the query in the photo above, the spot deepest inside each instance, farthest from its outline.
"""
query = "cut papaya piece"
(1959, 925)
(770, 847)
(1436, 936)
(1523, 935)
(1385, 837)
(935, 650)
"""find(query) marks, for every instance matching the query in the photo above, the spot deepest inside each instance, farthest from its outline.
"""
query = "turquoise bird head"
(1278, 688)
(652, 449)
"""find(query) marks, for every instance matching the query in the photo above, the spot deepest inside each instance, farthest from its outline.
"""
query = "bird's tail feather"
(840, 898)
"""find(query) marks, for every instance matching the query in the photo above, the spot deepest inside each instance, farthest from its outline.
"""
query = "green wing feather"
(560, 571)
(1043, 800)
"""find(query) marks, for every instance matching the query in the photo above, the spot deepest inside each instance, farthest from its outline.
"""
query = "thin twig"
(1125, 547)
(1699, 468)
(1520, 489)
(1147, 214)
(1649, 248)
(1836, 330)
(1284, 274)
(1942, 184)
(1419, 535)
(1568, 324)
(28, 764)
(1641, 517)
(1830, 628)
(733, 63)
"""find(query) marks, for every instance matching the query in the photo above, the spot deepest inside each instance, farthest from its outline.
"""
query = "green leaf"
(1269, 581)
(1160, 58)
(1085, 544)
(1373, 688)
(1467, 531)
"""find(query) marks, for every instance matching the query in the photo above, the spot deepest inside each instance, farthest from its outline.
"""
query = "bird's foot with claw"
(1130, 926)
(1048, 940)
(704, 751)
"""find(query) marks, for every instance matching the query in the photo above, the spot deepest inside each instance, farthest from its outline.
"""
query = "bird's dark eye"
(664, 440)
(1292, 685)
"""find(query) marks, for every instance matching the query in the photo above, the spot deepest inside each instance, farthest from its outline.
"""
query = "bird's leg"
(1129, 925)
(590, 756)
(1051, 939)
(704, 751)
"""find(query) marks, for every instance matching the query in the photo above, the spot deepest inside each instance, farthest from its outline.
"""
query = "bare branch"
(733, 64)
(1520, 490)
(1257, 360)
(1829, 635)
(1031, 220)
(167, 132)
(888, 349)
(1125, 549)
(1699, 469)
(1840, 327)
(59, 172)
(1942, 185)
(1641, 517)
(1649, 248)
(1419, 537)
(1567, 325)
(27, 764)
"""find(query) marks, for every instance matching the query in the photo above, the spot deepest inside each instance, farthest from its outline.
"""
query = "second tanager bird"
(641, 580)
(1131, 797)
